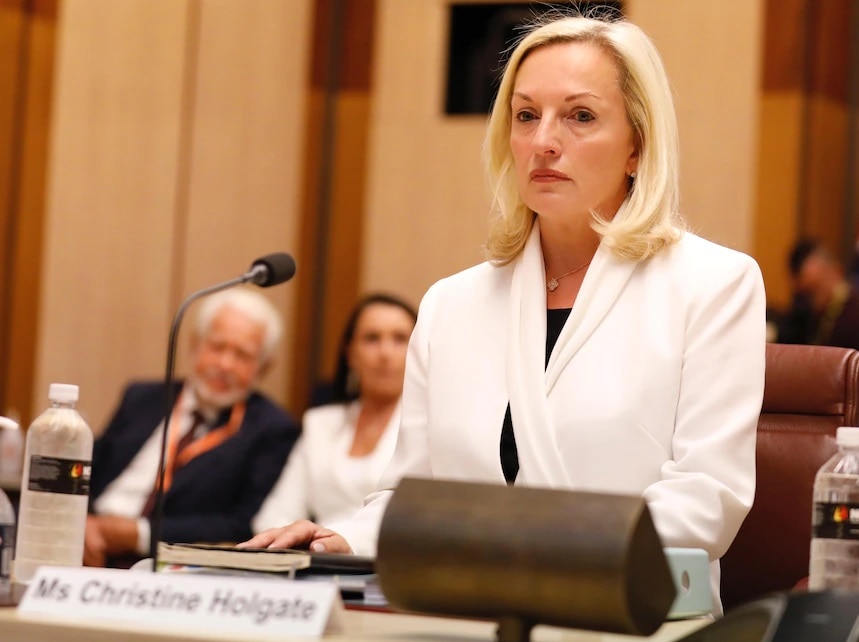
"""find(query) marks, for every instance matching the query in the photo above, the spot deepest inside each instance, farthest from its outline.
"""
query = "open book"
(270, 560)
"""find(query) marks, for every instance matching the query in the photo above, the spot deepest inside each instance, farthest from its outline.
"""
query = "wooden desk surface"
(359, 626)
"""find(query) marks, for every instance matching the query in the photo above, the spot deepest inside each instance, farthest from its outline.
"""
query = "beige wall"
(712, 51)
(174, 162)
(427, 204)
(777, 226)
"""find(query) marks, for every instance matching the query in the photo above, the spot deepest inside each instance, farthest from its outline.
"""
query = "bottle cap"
(847, 436)
(63, 393)
(8, 424)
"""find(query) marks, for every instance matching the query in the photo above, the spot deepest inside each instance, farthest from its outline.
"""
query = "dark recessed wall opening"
(478, 35)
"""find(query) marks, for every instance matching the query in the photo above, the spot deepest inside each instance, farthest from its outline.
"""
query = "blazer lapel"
(540, 463)
(528, 382)
(605, 280)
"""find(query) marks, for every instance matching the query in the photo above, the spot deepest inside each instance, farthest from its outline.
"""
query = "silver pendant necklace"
(552, 284)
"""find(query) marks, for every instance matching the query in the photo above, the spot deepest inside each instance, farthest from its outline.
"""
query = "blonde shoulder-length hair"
(650, 221)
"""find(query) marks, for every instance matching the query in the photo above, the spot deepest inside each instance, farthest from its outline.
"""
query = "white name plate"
(258, 609)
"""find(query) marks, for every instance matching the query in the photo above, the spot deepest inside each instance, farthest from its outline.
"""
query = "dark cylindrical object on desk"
(563, 558)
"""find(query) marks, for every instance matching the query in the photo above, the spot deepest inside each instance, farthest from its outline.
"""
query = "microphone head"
(272, 269)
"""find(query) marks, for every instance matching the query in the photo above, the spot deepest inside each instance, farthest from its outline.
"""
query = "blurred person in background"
(825, 308)
(345, 445)
(227, 443)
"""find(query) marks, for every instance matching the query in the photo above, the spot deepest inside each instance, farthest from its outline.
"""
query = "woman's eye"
(524, 116)
(583, 116)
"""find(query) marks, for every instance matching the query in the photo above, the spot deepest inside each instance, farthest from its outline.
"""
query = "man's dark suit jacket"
(214, 496)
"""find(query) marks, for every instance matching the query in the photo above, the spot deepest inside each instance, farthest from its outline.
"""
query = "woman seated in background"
(346, 444)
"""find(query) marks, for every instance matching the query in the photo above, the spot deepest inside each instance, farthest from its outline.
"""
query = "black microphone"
(265, 272)
(272, 269)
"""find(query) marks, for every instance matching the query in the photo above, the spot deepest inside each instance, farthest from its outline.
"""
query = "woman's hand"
(298, 535)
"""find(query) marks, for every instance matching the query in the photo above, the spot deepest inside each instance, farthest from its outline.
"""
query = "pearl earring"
(632, 175)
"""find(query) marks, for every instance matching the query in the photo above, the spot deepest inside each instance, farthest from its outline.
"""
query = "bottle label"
(835, 521)
(7, 545)
(55, 475)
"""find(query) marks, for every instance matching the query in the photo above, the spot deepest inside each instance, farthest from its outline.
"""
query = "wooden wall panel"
(803, 187)
(780, 184)
(824, 170)
(24, 261)
(776, 222)
(113, 168)
(332, 203)
(824, 209)
(310, 253)
(784, 45)
(175, 162)
(716, 95)
(427, 203)
(12, 37)
(345, 233)
(246, 140)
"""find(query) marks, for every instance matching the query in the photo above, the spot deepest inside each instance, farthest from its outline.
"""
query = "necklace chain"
(552, 284)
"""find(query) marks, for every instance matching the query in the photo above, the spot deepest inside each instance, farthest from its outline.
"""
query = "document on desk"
(354, 575)
(269, 609)
(355, 589)
(251, 559)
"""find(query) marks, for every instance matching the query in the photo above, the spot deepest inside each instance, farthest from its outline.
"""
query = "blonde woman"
(601, 347)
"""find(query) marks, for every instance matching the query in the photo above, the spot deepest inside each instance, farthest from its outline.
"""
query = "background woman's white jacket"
(320, 479)
(653, 388)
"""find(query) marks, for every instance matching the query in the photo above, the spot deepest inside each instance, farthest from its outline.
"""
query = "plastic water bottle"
(835, 519)
(54, 487)
(7, 540)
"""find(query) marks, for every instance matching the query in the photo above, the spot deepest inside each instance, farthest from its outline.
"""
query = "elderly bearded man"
(227, 447)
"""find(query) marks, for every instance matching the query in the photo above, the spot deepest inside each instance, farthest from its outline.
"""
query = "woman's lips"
(548, 175)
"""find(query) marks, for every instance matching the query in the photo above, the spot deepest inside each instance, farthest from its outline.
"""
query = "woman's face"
(377, 353)
(572, 144)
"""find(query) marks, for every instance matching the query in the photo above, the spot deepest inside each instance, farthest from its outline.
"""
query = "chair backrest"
(809, 392)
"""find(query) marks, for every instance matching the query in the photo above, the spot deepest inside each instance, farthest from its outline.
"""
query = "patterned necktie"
(197, 420)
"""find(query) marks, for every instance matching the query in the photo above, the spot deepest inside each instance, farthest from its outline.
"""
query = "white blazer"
(654, 387)
(321, 480)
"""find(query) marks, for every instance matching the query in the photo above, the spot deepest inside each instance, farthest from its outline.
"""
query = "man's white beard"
(217, 400)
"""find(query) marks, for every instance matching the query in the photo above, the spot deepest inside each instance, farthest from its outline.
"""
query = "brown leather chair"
(809, 392)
